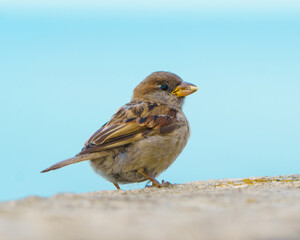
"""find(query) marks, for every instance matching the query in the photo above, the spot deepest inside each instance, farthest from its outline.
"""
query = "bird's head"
(164, 88)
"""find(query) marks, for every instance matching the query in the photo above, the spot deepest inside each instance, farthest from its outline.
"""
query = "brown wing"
(131, 124)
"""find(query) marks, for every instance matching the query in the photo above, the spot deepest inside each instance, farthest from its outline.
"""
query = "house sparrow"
(144, 137)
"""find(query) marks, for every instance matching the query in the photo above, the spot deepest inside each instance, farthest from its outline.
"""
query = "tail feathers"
(69, 161)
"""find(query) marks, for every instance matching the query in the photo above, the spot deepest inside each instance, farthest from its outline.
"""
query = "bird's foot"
(166, 183)
(155, 183)
(159, 185)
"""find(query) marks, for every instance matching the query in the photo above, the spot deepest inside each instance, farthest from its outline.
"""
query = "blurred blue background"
(65, 68)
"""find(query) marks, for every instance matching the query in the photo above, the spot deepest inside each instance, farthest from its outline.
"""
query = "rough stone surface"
(256, 208)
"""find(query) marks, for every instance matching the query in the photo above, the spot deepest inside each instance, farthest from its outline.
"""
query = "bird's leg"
(155, 183)
(117, 186)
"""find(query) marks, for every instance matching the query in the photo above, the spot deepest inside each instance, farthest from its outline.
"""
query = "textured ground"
(256, 208)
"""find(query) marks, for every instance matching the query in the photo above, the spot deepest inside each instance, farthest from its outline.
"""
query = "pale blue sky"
(155, 4)
(154, 7)
(64, 72)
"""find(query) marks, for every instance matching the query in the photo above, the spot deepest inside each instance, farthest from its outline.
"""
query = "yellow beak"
(184, 89)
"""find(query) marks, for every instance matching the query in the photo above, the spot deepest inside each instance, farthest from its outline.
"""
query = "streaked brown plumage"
(144, 137)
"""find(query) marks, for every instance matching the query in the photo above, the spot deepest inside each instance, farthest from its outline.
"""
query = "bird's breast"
(155, 153)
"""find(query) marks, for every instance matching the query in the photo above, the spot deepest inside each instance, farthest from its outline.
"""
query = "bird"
(144, 137)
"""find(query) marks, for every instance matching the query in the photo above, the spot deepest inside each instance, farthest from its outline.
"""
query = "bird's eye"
(164, 87)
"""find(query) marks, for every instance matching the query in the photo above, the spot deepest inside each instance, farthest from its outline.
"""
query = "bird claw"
(159, 185)
(166, 184)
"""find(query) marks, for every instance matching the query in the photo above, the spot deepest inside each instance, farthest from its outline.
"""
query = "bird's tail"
(72, 160)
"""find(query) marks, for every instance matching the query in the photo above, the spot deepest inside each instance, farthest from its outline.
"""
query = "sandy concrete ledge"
(256, 208)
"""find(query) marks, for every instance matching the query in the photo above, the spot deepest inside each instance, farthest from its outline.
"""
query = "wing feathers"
(131, 123)
(122, 131)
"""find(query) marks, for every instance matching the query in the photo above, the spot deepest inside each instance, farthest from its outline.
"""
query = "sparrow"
(144, 137)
